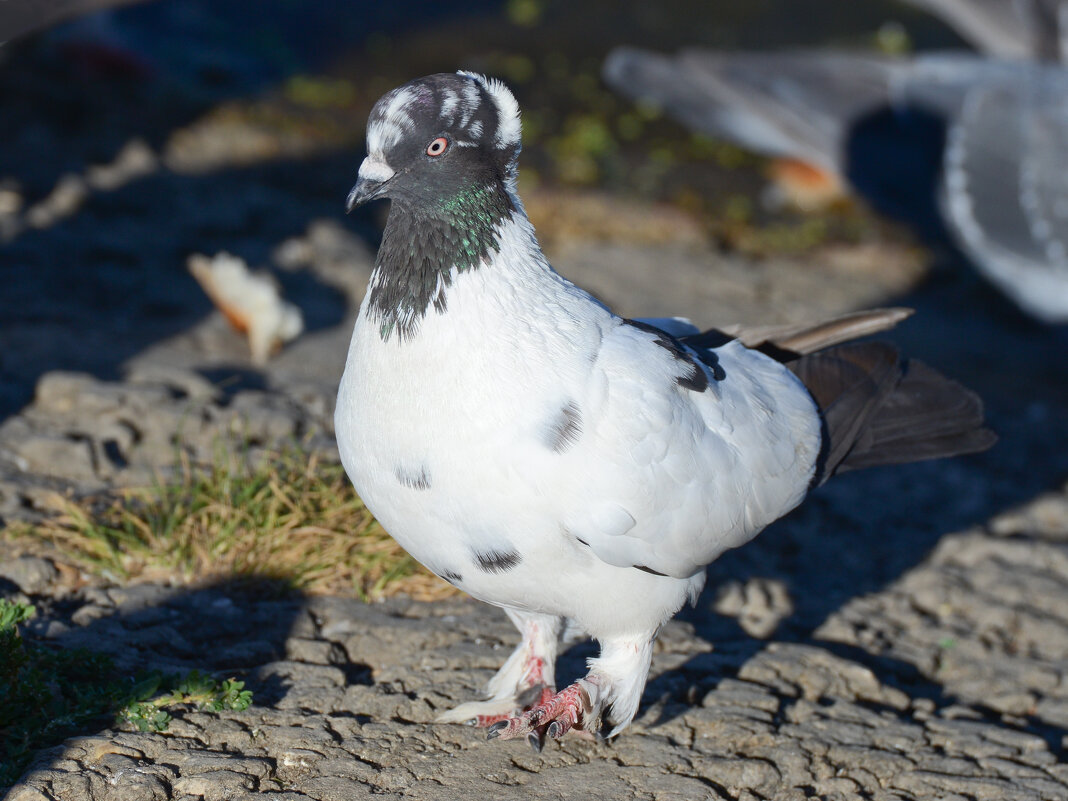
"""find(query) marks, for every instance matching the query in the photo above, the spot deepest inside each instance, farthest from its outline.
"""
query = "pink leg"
(524, 681)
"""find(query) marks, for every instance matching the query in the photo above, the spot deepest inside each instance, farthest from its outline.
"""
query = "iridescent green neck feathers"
(425, 245)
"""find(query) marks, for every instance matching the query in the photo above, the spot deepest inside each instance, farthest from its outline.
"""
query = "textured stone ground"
(949, 683)
(904, 635)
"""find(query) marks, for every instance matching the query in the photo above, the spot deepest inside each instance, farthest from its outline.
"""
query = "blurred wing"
(795, 105)
(1013, 29)
(1005, 191)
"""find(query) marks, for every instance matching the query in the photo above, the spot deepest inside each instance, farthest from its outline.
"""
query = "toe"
(481, 713)
(558, 728)
(553, 716)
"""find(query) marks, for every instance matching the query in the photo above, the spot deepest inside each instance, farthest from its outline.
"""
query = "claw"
(535, 741)
(494, 731)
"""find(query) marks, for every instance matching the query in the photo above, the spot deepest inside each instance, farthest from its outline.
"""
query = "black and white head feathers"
(444, 149)
(477, 117)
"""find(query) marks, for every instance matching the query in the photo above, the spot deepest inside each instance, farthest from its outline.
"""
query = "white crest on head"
(470, 103)
(448, 105)
(509, 127)
(391, 121)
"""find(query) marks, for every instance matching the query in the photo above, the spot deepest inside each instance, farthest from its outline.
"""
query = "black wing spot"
(451, 576)
(417, 481)
(645, 569)
(497, 561)
(566, 428)
(695, 379)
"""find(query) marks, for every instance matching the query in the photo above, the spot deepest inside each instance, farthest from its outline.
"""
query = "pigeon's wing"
(18, 17)
(684, 452)
(802, 338)
(1015, 29)
(691, 88)
(796, 105)
(1005, 192)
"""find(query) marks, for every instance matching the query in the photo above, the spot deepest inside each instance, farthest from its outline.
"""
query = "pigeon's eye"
(438, 146)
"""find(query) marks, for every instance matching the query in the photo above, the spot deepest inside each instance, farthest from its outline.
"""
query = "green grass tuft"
(293, 518)
(48, 694)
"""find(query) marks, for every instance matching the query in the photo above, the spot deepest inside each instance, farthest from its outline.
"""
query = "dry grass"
(295, 519)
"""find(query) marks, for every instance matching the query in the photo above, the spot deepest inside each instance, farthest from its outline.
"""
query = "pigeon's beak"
(373, 176)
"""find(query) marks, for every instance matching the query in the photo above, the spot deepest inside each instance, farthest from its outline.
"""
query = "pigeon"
(551, 458)
(956, 144)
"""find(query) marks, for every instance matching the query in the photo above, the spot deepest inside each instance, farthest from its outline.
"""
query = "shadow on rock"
(99, 288)
(244, 629)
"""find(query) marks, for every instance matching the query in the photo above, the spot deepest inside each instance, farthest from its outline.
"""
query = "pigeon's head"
(437, 137)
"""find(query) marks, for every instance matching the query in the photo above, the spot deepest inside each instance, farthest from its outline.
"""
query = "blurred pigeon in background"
(954, 144)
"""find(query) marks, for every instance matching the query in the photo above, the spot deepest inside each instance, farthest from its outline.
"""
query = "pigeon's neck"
(426, 245)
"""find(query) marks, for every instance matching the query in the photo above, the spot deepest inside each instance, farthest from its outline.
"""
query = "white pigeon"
(548, 457)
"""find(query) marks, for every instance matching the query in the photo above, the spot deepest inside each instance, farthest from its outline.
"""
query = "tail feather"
(844, 328)
(796, 339)
(878, 409)
(927, 416)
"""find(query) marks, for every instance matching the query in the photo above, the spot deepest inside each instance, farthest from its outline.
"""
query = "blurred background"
(773, 161)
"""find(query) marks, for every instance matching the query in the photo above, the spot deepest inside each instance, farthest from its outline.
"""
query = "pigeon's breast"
(445, 434)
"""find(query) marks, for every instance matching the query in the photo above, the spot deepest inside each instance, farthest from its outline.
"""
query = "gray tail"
(878, 408)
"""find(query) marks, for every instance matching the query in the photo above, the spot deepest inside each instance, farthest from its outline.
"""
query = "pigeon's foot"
(525, 683)
(553, 716)
(486, 713)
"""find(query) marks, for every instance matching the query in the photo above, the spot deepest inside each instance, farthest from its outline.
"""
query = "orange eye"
(438, 146)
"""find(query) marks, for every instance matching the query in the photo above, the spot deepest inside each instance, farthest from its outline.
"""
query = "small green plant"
(196, 688)
(48, 694)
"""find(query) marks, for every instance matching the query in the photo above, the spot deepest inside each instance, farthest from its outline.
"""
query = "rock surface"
(950, 683)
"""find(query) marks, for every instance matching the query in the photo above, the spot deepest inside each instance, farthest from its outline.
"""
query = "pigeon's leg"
(607, 698)
(526, 678)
